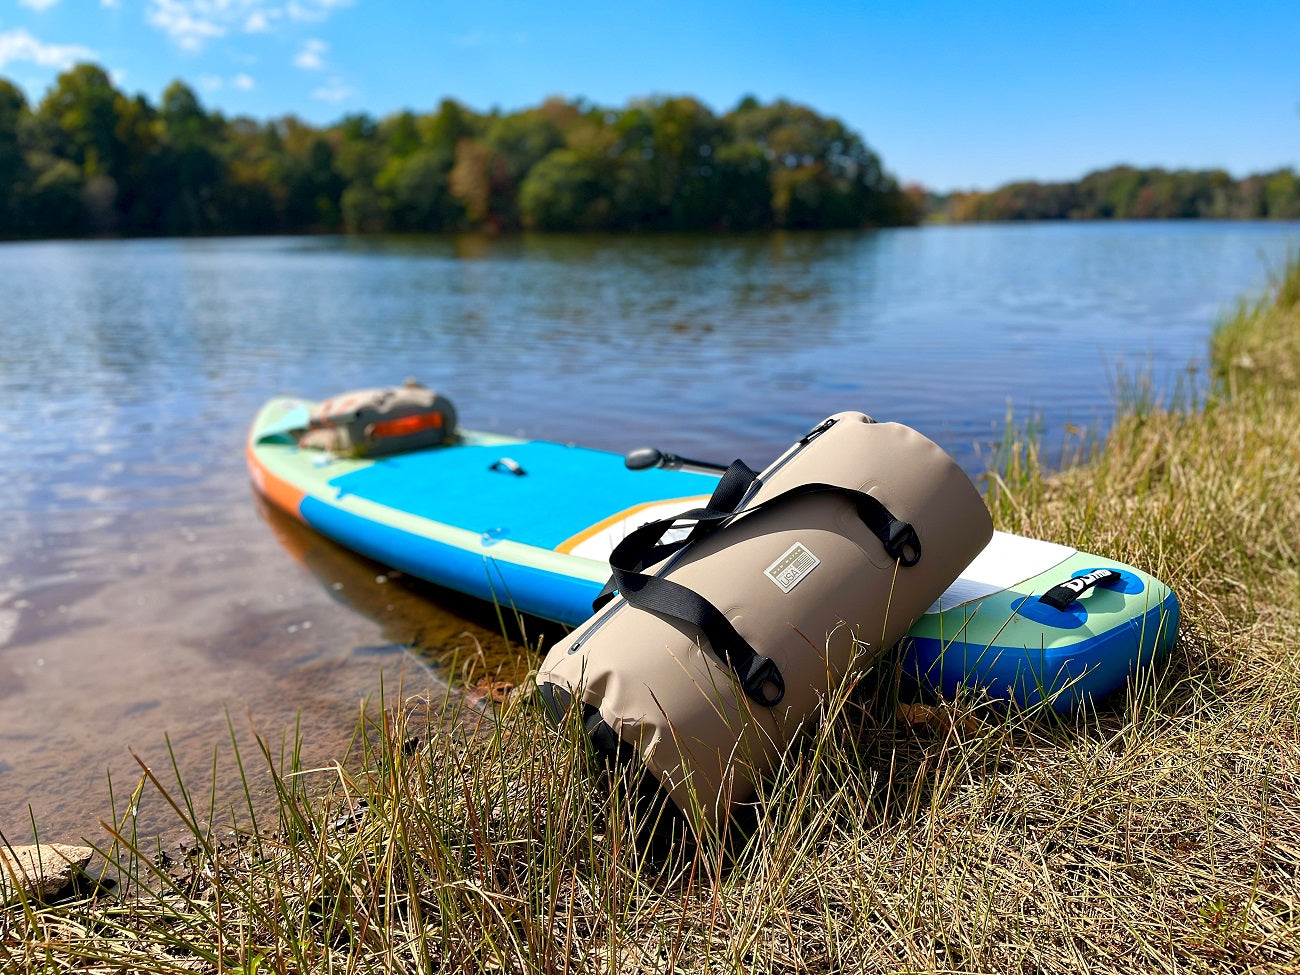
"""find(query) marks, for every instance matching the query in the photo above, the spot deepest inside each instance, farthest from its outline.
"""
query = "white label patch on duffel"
(791, 568)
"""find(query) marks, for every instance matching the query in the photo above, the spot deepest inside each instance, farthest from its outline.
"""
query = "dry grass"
(1159, 834)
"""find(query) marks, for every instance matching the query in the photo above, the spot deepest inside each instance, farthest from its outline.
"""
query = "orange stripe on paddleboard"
(278, 491)
(569, 544)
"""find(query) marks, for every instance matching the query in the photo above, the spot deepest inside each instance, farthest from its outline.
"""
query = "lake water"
(146, 596)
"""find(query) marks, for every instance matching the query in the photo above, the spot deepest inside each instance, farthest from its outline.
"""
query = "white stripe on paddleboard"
(1006, 561)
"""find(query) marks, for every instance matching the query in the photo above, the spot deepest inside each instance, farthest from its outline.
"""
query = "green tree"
(685, 137)
(79, 120)
(192, 168)
(400, 134)
(55, 203)
(1282, 195)
(1128, 193)
(493, 168)
(1110, 193)
(301, 175)
(743, 194)
(441, 131)
(821, 173)
(247, 198)
(359, 157)
(358, 154)
(565, 192)
(13, 164)
(477, 179)
(414, 193)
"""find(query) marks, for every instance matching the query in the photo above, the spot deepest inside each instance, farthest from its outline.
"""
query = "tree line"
(1129, 193)
(88, 159)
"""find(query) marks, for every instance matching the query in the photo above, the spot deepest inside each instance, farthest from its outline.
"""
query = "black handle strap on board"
(1061, 595)
(759, 676)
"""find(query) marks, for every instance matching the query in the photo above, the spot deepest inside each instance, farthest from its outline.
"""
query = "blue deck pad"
(564, 490)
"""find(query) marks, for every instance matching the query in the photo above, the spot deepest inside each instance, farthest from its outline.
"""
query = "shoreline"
(1160, 828)
(489, 234)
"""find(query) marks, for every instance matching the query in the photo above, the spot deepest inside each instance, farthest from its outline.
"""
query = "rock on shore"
(42, 872)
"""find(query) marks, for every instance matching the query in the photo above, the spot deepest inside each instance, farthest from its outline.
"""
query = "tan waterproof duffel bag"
(720, 645)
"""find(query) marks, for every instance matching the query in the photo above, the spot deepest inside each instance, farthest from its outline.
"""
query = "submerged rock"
(42, 872)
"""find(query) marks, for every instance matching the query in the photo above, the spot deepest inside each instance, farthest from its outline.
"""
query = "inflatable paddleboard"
(529, 525)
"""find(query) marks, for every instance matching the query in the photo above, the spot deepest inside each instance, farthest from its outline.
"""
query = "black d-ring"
(903, 543)
(764, 683)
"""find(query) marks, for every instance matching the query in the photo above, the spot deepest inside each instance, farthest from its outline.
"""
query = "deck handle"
(1061, 595)
(506, 464)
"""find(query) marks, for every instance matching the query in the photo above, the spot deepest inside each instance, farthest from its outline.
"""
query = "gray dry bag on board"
(711, 650)
(374, 422)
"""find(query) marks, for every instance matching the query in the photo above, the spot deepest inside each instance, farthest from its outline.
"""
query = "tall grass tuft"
(1159, 831)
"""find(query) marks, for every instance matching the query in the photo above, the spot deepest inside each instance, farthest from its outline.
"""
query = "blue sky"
(950, 94)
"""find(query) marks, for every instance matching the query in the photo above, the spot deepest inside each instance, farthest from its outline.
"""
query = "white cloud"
(213, 83)
(335, 91)
(19, 45)
(312, 55)
(192, 23)
(38, 4)
(111, 4)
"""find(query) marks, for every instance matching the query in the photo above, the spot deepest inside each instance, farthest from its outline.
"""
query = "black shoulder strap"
(731, 490)
(759, 676)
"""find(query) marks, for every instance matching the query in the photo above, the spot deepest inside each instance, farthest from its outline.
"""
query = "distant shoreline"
(1128, 193)
(88, 161)
(517, 234)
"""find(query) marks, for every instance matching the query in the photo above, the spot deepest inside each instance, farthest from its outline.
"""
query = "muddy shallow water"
(128, 635)
(147, 598)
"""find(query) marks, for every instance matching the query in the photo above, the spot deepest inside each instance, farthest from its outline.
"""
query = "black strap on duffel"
(727, 496)
(759, 676)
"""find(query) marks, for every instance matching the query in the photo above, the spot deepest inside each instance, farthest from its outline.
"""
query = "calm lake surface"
(146, 596)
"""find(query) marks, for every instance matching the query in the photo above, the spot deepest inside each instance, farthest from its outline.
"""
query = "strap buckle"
(763, 683)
